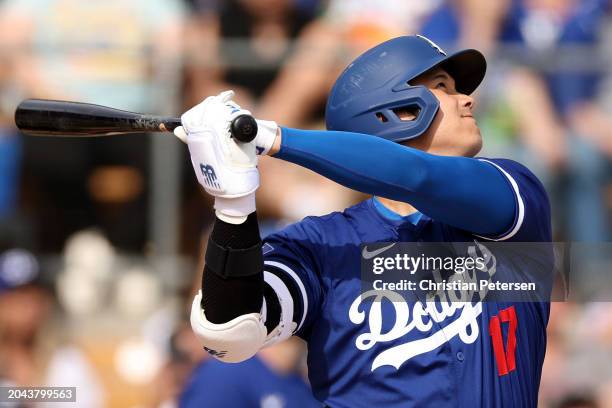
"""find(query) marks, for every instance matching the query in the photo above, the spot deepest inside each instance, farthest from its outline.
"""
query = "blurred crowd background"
(101, 239)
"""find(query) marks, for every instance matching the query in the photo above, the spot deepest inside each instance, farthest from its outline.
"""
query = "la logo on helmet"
(433, 44)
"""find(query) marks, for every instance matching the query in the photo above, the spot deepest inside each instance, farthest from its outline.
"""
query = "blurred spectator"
(108, 53)
(241, 44)
(100, 52)
(30, 354)
(10, 144)
(345, 29)
(185, 354)
(270, 379)
(552, 100)
(24, 308)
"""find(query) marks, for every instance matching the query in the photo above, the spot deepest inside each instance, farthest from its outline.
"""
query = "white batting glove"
(266, 135)
(225, 168)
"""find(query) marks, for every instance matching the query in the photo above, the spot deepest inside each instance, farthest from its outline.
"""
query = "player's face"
(454, 131)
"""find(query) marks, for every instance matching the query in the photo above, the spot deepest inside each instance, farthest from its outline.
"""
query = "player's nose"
(467, 102)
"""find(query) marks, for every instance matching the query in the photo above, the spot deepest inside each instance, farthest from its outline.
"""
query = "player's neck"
(397, 207)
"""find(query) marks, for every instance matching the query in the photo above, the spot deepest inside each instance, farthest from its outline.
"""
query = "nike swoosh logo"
(371, 254)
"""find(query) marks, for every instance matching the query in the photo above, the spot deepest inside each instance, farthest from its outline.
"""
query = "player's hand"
(267, 132)
(225, 168)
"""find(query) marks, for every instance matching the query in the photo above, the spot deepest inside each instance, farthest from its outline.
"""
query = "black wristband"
(234, 263)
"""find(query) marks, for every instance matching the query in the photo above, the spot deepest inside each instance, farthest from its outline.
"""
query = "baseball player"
(400, 128)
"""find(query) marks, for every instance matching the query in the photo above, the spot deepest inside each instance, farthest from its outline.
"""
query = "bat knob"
(244, 128)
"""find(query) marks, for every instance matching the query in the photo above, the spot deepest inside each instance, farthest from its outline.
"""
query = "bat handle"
(244, 128)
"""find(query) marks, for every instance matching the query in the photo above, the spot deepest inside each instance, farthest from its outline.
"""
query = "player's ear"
(407, 113)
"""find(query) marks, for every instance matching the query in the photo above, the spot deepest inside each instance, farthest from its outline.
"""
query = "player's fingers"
(180, 133)
(232, 104)
(226, 95)
(239, 112)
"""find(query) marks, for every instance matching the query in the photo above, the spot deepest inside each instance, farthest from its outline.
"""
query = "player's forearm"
(225, 297)
(227, 315)
(460, 191)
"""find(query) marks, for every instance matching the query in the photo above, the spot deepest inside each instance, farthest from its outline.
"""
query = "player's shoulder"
(518, 175)
(532, 218)
(508, 165)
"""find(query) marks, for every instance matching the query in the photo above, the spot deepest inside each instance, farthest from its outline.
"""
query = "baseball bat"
(42, 117)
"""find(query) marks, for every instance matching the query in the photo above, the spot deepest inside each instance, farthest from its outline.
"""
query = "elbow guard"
(231, 342)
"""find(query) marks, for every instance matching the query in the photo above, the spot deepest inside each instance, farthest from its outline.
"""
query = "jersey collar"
(394, 218)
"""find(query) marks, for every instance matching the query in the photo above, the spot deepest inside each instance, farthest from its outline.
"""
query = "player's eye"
(441, 85)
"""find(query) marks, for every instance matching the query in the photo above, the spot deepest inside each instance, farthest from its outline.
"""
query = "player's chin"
(473, 142)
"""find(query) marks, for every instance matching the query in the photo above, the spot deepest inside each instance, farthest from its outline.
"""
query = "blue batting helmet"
(368, 95)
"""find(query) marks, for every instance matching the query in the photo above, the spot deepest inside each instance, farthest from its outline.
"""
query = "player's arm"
(237, 288)
(468, 193)
(237, 312)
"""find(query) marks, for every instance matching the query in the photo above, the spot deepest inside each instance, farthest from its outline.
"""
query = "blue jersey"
(248, 384)
(394, 353)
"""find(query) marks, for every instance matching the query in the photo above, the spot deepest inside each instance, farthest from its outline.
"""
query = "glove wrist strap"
(266, 135)
(235, 210)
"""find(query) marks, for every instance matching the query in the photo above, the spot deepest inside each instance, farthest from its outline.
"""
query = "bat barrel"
(56, 118)
(41, 117)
